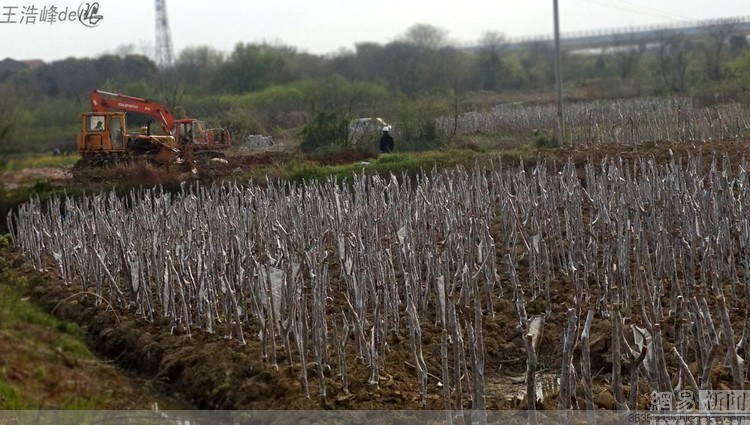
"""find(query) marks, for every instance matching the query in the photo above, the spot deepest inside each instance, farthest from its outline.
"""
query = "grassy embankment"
(44, 362)
(398, 164)
(37, 161)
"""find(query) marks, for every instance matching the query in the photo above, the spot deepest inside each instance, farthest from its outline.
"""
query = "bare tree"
(673, 61)
(714, 46)
(492, 47)
(426, 36)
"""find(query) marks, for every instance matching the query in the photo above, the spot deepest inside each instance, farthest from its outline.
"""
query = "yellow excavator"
(104, 138)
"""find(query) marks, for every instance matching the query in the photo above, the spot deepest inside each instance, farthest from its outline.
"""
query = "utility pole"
(558, 79)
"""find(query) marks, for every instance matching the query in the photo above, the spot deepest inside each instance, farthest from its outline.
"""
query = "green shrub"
(545, 140)
(326, 130)
(417, 128)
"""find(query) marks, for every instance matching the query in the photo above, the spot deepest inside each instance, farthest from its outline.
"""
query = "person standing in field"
(386, 140)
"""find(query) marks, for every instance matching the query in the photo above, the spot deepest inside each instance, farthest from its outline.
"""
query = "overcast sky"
(323, 26)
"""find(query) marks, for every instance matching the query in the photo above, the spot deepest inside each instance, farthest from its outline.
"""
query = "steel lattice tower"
(164, 51)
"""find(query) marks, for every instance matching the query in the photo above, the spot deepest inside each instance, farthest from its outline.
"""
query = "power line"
(637, 9)
(655, 10)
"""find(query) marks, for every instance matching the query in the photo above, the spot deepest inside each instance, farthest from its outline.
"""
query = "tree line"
(263, 88)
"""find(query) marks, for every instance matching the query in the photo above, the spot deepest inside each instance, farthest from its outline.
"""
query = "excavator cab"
(194, 133)
(104, 139)
(102, 132)
(186, 133)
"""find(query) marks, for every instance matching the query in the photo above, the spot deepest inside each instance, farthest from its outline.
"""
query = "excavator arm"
(103, 101)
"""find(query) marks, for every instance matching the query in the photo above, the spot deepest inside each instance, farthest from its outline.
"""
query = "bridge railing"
(606, 35)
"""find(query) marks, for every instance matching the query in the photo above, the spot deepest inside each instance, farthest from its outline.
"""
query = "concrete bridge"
(643, 35)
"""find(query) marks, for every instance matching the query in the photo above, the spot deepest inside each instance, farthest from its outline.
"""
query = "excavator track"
(104, 159)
